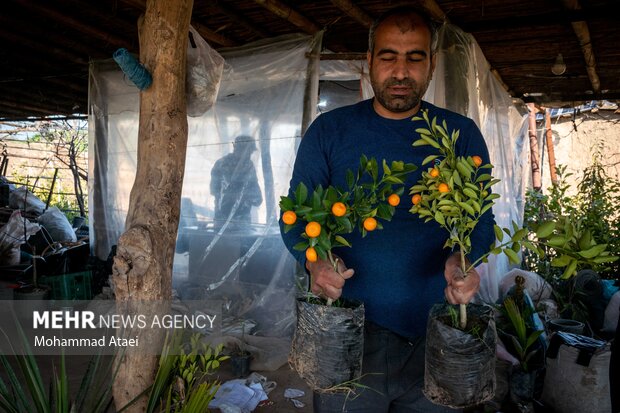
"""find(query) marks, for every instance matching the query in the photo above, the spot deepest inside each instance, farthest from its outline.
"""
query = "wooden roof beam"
(583, 35)
(237, 17)
(209, 34)
(354, 11)
(438, 14)
(287, 13)
(212, 36)
(51, 13)
(21, 106)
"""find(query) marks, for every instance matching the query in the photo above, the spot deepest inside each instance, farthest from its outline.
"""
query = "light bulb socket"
(559, 67)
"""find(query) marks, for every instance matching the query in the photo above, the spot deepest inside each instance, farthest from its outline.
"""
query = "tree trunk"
(534, 154)
(143, 264)
(550, 148)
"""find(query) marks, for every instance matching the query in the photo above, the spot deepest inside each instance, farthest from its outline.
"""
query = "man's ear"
(433, 63)
(368, 58)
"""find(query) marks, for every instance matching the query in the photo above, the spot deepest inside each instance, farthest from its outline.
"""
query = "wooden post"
(143, 264)
(534, 155)
(550, 149)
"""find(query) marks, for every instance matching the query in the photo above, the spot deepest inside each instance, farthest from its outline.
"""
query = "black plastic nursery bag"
(460, 366)
(328, 344)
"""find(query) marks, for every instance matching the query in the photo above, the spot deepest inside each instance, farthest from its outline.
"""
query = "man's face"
(401, 66)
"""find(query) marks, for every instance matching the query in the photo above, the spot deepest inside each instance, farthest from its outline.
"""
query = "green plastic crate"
(74, 286)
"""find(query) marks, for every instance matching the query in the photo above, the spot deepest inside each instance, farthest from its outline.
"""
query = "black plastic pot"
(566, 325)
(460, 365)
(328, 344)
(240, 364)
(522, 386)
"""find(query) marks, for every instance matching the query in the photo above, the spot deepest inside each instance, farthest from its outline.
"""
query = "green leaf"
(603, 259)
(561, 261)
(499, 235)
(440, 218)
(386, 168)
(557, 241)
(483, 177)
(486, 208)
(342, 240)
(429, 158)
(456, 179)
(512, 256)
(419, 142)
(302, 210)
(301, 246)
(350, 177)
(286, 203)
(520, 234)
(593, 252)
(470, 193)
(393, 179)
(545, 229)
(301, 193)
(417, 189)
(585, 239)
(429, 141)
(467, 208)
(570, 270)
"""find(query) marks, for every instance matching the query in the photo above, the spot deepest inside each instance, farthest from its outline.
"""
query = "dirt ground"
(284, 378)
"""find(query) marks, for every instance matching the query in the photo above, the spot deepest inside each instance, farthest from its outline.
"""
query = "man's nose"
(400, 70)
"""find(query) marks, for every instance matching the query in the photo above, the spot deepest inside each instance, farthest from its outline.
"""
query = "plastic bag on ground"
(58, 226)
(23, 199)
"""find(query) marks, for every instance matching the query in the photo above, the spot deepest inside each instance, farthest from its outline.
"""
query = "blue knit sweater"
(398, 270)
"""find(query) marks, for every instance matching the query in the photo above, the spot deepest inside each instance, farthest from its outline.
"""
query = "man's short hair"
(432, 24)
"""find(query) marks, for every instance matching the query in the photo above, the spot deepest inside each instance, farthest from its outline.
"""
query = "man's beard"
(402, 103)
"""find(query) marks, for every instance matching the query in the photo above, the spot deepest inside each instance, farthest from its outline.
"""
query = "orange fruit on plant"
(313, 229)
(415, 200)
(443, 187)
(311, 254)
(434, 172)
(477, 160)
(394, 200)
(370, 224)
(339, 209)
(289, 217)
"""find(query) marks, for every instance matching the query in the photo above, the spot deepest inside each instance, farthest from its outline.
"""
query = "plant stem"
(335, 266)
(463, 307)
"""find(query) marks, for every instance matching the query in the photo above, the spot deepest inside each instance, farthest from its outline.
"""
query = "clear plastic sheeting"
(239, 161)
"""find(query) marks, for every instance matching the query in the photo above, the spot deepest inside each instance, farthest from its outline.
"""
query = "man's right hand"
(324, 281)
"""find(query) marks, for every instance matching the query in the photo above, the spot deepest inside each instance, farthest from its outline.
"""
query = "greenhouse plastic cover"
(239, 162)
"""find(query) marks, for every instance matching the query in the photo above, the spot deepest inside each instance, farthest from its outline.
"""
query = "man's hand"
(324, 281)
(460, 289)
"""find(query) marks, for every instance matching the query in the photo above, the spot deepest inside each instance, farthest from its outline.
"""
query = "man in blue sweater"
(401, 271)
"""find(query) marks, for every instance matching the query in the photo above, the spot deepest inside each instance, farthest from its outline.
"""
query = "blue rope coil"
(133, 69)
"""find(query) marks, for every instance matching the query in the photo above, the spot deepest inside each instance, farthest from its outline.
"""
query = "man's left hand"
(460, 289)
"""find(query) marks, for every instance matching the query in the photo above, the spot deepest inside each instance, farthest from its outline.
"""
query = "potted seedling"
(522, 333)
(327, 346)
(240, 357)
(455, 192)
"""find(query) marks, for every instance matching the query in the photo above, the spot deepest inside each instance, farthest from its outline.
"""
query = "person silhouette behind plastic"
(234, 184)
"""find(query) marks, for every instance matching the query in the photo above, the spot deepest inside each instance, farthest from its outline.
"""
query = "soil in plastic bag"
(328, 344)
(460, 365)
